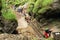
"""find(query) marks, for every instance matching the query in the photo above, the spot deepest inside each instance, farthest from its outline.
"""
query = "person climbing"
(47, 33)
(25, 13)
(20, 9)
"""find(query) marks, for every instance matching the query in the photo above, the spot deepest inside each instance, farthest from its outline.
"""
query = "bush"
(8, 14)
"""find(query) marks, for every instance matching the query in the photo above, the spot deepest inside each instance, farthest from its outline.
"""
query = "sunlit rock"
(22, 23)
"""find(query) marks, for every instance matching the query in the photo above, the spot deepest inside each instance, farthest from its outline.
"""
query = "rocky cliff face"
(56, 4)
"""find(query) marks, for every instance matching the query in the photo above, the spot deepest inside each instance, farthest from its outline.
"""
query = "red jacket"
(46, 35)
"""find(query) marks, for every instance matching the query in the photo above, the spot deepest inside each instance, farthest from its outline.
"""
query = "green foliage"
(42, 10)
(16, 1)
(13, 2)
(47, 3)
(4, 5)
(31, 5)
(35, 6)
(23, 2)
(40, 6)
(38, 3)
(7, 12)
(30, 8)
(31, 1)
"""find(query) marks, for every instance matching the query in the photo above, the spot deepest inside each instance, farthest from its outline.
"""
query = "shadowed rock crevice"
(54, 14)
(50, 15)
(8, 26)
